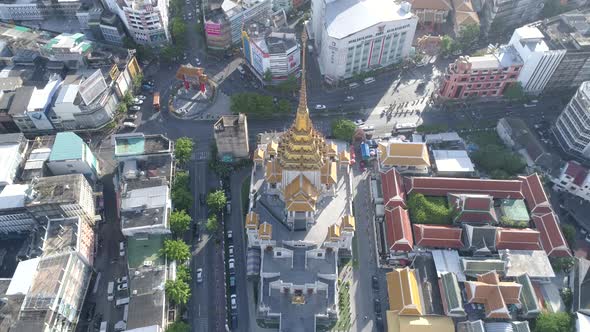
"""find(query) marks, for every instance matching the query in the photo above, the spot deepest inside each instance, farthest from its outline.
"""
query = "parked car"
(138, 102)
(230, 235)
(122, 280)
(231, 263)
(135, 108)
(230, 250)
(232, 281)
(122, 248)
(129, 125)
(375, 282)
(141, 97)
(234, 301)
(349, 98)
(359, 122)
(320, 107)
(197, 61)
(131, 116)
(123, 286)
(199, 275)
(377, 305)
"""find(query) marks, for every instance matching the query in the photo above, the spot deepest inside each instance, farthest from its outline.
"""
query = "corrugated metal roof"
(67, 146)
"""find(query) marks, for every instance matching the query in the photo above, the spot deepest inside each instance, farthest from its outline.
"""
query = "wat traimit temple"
(299, 223)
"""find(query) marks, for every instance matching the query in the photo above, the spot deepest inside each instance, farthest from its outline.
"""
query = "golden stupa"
(302, 147)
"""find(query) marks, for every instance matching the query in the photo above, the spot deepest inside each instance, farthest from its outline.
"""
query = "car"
(231, 263)
(587, 238)
(122, 287)
(377, 305)
(234, 301)
(359, 122)
(230, 235)
(583, 231)
(122, 246)
(131, 116)
(129, 125)
(141, 97)
(137, 101)
(199, 275)
(230, 251)
(197, 61)
(234, 322)
(375, 282)
(379, 321)
(232, 281)
(320, 107)
(349, 98)
(135, 108)
(368, 128)
(122, 280)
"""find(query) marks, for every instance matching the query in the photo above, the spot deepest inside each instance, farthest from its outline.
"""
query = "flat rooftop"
(535, 263)
(347, 17)
(57, 189)
(145, 207)
(137, 144)
(453, 161)
(61, 236)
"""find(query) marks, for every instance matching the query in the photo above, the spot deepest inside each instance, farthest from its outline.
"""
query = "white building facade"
(572, 128)
(539, 60)
(147, 21)
(353, 36)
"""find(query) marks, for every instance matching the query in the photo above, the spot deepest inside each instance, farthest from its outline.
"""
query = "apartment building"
(499, 16)
(37, 10)
(271, 50)
(146, 21)
(482, 76)
(572, 128)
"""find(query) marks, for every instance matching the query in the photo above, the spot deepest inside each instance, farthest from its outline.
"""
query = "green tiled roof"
(475, 267)
(67, 146)
(23, 29)
(452, 293)
(142, 249)
(528, 298)
(514, 209)
(129, 146)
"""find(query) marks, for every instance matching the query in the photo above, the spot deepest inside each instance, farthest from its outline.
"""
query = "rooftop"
(9, 163)
(403, 154)
(13, 196)
(568, 31)
(453, 161)
(448, 261)
(137, 144)
(346, 17)
(145, 207)
(59, 189)
(67, 146)
(398, 323)
(403, 293)
(535, 263)
(514, 209)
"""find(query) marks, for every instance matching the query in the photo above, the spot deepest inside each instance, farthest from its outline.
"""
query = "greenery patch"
(429, 210)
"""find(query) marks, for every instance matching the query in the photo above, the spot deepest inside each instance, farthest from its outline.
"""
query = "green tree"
(468, 36)
(252, 104)
(128, 98)
(178, 31)
(180, 222)
(183, 149)
(178, 326)
(176, 250)
(267, 75)
(183, 273)
(447, 45)
(216, 200)
(284, 106)
(515, 91)
(170, 52)
(553, 322)
(289, 85)
(122, 108)
(428, 210)
(562, 264)
(137, 80)
(212, 224)
(343, 129)
(569, 233)
(178, 290)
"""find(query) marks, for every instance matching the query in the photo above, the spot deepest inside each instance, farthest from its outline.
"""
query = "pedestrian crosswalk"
(201, 155)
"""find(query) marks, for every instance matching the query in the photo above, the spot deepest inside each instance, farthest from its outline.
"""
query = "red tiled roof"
(534, 194)
(398, 230)
(494, 294)
(576, 171)
(440, 186)
(438, 236)
(518, 239)
(552, 239)
(473, 208)
(393, 189)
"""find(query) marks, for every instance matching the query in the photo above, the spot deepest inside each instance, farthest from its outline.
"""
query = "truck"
(122, 301)
(157, 101)
(110, 289)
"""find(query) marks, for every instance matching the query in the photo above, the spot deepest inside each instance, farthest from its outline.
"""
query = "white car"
(123, 286)
(135, 108)
(320, 107)
(349, 98)
(230, 234)
(231, 263)
(359, 122)
(129, 125)
(587, 238)
(138, 102)
(122, 280)
(234, 301)
(199, 275)
(141, 97)
(131, 116)
(198, 61)
(230, 251)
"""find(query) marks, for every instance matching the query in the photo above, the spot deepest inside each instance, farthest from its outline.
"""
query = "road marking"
(201, 155)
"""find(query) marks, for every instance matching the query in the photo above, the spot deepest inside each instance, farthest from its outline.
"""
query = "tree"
(553, 322)
(122, 108)
(183, 273)
(212, 224)
(180, 222)
(170, 52)
(178, 326)
(428, 211)
(289, 85)
(183, 149)
(468, 35)
(252, 104)
(216, 200)
(176, 250)
(343, 129)
(137, 80)
(178, 290)
(267, 75)
(128, 98)
(447, 45)
(178, 31)
(569, 233)
(284, 106)
(515, 91)
(562, 264)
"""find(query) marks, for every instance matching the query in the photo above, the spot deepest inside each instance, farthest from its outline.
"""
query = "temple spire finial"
(302, 120)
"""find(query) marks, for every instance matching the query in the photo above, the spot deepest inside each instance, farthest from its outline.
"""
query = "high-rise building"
(352, 36)
(146, 20)
(539, 60)
(500, 15)
(572, 128)
(37, 10)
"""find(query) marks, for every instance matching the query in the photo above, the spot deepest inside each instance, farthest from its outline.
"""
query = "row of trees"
(258, 105)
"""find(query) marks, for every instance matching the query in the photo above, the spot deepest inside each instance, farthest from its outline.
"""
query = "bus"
(157, 101)
(401, 128)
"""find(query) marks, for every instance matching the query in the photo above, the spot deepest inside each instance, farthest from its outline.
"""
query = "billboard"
(213, 29)
(257, 58)
(123, 83)
(133, 67)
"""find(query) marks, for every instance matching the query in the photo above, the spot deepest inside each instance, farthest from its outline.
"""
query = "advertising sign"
(212, 28)
(133, 68)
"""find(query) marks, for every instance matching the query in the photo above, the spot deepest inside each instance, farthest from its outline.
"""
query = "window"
(505, 69)
(488, 85)
(512, 76)
(479, 85)
(494, 92)
(492, 77)
(469, 86)
(485, 93)
(464, 79)
(502, 77)
(497, 85)
(472, 79)
(481, 78)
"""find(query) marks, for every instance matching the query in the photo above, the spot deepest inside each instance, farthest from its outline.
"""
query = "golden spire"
(302, 120)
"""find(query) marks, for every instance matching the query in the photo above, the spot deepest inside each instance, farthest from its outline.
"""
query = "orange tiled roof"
(494, 294)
